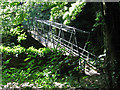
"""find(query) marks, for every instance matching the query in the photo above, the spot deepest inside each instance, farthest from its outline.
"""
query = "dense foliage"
(39, 66)
(42, 67)
(12, 15)
(65, 12)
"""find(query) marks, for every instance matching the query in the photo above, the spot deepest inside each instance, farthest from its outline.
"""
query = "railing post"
(52, 37)
(35, 28)
(50, 29)
(47, 37)
(59, 38)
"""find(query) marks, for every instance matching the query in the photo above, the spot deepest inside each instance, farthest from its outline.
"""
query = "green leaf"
(27, 59)
(12, 68)
(6, 62)
(85, 77)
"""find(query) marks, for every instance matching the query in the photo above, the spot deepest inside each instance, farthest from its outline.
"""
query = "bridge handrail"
(76, 46)
(61, 26)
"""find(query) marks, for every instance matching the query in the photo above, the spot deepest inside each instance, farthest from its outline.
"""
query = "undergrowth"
(41, 67)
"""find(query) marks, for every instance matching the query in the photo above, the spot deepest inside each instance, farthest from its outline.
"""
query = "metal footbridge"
(56, 35)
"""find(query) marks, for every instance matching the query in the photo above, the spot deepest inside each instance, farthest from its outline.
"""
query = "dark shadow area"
(30, 41)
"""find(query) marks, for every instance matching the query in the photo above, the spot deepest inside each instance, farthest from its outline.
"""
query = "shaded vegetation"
(43, 67)
(25, 60)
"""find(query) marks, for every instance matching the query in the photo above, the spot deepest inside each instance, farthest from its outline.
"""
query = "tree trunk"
(112, 42)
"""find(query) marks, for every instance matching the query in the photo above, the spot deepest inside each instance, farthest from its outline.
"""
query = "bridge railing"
(52, 35)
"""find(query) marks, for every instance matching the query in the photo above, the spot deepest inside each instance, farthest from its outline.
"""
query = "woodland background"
(26, 60)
